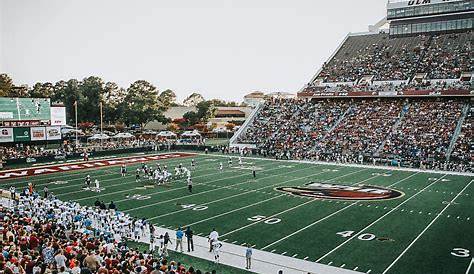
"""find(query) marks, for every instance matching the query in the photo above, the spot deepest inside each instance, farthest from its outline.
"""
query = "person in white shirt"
(213, 237)
(97, 185)
(216, 248)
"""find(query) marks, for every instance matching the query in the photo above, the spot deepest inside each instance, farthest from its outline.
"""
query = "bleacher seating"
(441, 56)
(414, 132)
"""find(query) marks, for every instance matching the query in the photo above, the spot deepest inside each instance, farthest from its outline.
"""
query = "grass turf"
(417, 233)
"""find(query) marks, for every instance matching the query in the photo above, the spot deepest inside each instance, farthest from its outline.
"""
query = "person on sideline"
(248, 257)
(179, 239)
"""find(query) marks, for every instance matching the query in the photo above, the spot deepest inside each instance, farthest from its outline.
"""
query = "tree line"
(138, 104)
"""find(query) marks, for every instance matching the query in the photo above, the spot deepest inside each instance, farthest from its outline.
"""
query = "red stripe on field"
(19, 173)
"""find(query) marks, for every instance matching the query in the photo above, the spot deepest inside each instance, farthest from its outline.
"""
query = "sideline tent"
(98, 136)
(191, 134)
(123, 135)
(166, 134)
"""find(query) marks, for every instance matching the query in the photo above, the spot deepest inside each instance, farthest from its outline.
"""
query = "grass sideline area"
(424, 230)
(196, 263)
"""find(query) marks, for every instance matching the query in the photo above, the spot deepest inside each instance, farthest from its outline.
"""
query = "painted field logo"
(342, 192)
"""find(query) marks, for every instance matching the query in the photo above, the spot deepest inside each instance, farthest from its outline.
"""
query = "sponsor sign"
(414, 3)
(38, 133)
(18, 173)
(342, 192)
(21, 134)
(6, 135)
(53, 133)
(58, 116)
(6, 115)
(31, 160)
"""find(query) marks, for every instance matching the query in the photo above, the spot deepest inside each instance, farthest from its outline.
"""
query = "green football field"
(428, 229)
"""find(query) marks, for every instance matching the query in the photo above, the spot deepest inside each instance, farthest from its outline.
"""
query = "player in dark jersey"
(88, 181)
(190, 185)
(230, 161)
(254, 172)
(193, 164)
(137, 175)
(123, 170)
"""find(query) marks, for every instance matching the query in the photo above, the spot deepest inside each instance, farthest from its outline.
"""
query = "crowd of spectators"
(463, 151)
(415, 132)
(441, 56)
(296, 127)
(45, 235)
(363, 129)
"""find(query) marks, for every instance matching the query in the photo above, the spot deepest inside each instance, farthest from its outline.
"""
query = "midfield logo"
(342, 192)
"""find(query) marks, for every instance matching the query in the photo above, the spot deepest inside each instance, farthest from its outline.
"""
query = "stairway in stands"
(457, 131)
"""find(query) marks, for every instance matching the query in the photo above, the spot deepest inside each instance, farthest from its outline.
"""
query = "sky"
(220, 48)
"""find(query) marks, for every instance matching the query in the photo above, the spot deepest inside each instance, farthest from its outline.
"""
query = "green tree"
(168, 98)
(6, 84)
(113, 99)
(193, 100)
(191, 118)
(142, 104)
(42, 90)
(205, 111)
(68, 93)
(92, 90)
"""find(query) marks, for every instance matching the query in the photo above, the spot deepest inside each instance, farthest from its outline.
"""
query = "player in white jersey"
(177, 172)
(188, 173)
(216, 248)
(230, 161)
(221, 167)
(97, 185)
(193, 164)
(240, 160)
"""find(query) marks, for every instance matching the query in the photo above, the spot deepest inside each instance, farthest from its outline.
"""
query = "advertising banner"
(6, 135)
(58, 116)
(38, 133)
(21, 134)
(53, 133)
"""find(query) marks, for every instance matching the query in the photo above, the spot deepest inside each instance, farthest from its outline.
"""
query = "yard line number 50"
(270, 221)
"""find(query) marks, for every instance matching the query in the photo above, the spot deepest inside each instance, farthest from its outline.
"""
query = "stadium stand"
(50, 236)
(441, 56)
(415, 132)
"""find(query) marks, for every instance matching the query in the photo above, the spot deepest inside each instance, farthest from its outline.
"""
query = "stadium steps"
(457, 131)
(249, 121)
(404, 111)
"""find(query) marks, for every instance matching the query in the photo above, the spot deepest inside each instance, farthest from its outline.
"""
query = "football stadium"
(367, 168)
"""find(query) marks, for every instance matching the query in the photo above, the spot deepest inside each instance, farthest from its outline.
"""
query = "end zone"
(33, 171)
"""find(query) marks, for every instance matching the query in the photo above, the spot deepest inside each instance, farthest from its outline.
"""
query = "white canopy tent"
(191, 134)
(166, 134)
(98, 137)
(123, 135)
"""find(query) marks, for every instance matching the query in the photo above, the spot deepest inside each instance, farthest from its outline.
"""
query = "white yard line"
(328, 216)
(380, 218)
(365, 166)
(66, 174)
(426, 228)
(274, 215)
(207, 191)
(304, 228)
(97, 159)
(246, 192)
(159, 192)
(237, 209)
(470, 265)
(121, 183)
